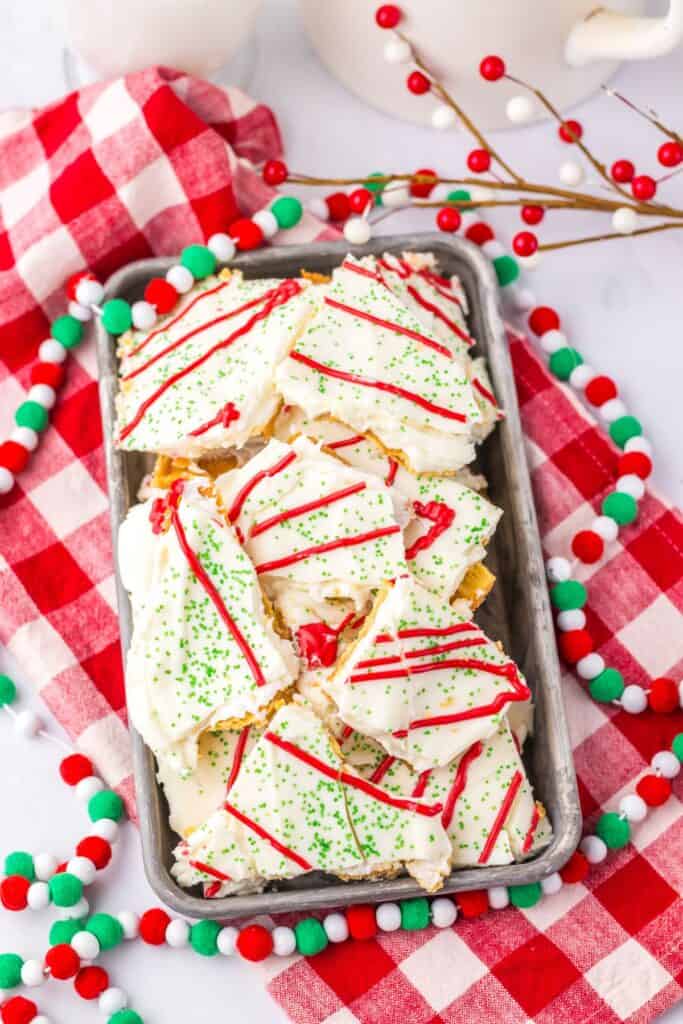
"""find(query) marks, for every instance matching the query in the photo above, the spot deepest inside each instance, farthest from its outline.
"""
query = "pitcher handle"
(608, 35)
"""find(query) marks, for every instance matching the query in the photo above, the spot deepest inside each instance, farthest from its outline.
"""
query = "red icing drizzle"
(310, 506)
(345, 442)
(438, 513)
(241, 497)
(406, 634)
(330, 545)
(440, 285)
(459, 782)
(275, 843)
(237, 758)
(397, 328)
(382, 769)
(158, 513)
(439, 314)
(483, 666)
(515, 783)
(424, 653)
(484, 392)
(318, 642)
(363, 271)
(225, 416)
(391, 475)
(400, 268)
(211, 890)
(529, 837)
(176, 319)
(206, 869)
(421, 784)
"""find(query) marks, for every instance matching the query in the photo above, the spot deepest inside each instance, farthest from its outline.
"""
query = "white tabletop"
(619, 303)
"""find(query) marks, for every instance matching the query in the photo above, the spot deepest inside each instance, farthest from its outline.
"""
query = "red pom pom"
(13, 456)
(670, 154)
(525, 243)
(388, 16)
(18, 1010)
(418, 83)
(51, 374)
(423, 189)
(274, 172)
(96, 849)
(623, 171)
(14, 892)
(246, 234)
(643, 187)
(254, 943)
(91, 982)
(62, 961)
(576, 869)
(532, 214)
(360, 199)
(338, 206)
(654, 789)
(161, 294)
(75, 280)
(479, 161)
(473, 903)
(663, 695)
(570, 131)
(588, 546)
(153, 925)
(635, 462)
(492, 68)
(575, 645)
(448, 219)
(600, 390)
(543, 319)
(74, 768)
(479, 233)
(361, 922)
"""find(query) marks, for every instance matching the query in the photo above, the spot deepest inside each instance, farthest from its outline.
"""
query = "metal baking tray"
(517, 612)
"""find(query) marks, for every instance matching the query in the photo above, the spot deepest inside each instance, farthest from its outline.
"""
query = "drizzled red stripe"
(217, 600)
(415, 670)
(396, 328)
(178, 318)
(363, 271)
(331, 545)
(242, 495)
(424, 653)
(211, 890)
(529, 837)
(275, 843)
(484, 392)
(301, 510)
(402, 269)
(493, 708)
(347, 731)
(237, 758)
(500, 817)
(439, 314)
(382, 769)
(406, 634)
(345, 442)
(459, 782)
(206, 869)
(440, 285)
(391, 475)
(421, 783)
(379, 385)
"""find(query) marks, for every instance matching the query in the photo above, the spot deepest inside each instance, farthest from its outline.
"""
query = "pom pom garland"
(361, 921)
(255, 943)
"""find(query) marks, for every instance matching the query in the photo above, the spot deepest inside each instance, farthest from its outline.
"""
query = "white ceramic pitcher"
(566, 47)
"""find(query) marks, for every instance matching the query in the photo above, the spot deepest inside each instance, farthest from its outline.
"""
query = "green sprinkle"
(614, 830)
(568, 594)
(65, 889)
(8, 691)
(415, 914)
(623, 508)
(608, 686)
(31, 414)
(105, 804)
(564, 361)
(204, 937)
(624, 428)
(107, 930)
(287, 211)
(310, 936)
(199, 260)
(524, 896)
(507, 269)
(67, 330)
(20, 863)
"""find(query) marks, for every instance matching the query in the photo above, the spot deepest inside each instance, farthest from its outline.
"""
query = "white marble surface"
(619, 301)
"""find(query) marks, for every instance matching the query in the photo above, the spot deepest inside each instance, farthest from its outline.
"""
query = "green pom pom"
(377, 187)
(614, 831)
(62, 932)
(287, 211)
(507, 269)
(10, 970)
(199, 260)
(107, 930)
(568, 594)
(623, 508)
(310, 936)
(8, 691)
(20, 863)
(677, 746)
(65, 889)
(624, 428)
(31, 414)
(564, 361)
(204, 937)
(116, 316)
(525, 895)
(125, 1017)
(415, 914)
(459, 195)
(105, 804)
(608, 686)
(67, 330)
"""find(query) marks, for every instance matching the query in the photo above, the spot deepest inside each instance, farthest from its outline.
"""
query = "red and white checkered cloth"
(145, 165)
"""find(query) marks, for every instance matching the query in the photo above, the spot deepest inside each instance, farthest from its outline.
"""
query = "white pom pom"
(227, 937)
(318, 207)
(80, 909)
(493, 249)
(481, 194)
(634, 699)
(625, 220)
(573, 618)
(499, 897)
(519, 109)
(284, 941)
(83, 868)
(396, 195)
(638, 444)
(558, 569)
(180, 277)
(581, 375)
(111, 1001)
(631, 484)
(523, 299)
(130, 922)
(144, 315)
(571, 173)
(553, 340)
(531, 262)
(590, 666)
(665, 763)
(27, 723)
(439, 193)
(89, 292)
(106, 829)
(397, 51)
(612, 410)
(79, 312)
(87, 787)
(26, 437)
(32, 974)
(45, 865)
(443, 118)
(177, 933)
(336, 927)
(223, 246)
(593, 849)
(43, 394)
(267, 221)
(552, 884)
(86, 945)
(606, 528)
(6, 480)
(38, 895)
(444, 912)
(51, 351)
(388, 917)
(357, 231)
(633, 807)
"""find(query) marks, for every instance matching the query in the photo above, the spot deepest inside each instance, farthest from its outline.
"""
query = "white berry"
(558, 569)
(79, 312)
(6, 480)
(180, 277)
(396, 195)
(357, 231)
(606, 528)
(388, 917)
(284, 941)
(227, 937)
(111, 1001)
(638, 444)
(27, 723)
(43, 394)
(523, 299)
(499, 897)
(439, 193)
(571, 173)
(612, 410)
(86, 945)
(319, 208)
(26, 437)
(631, 484)
(444, 912)
(443, 117)
(625, 220)
(130, 922)
(633, 807)
(573, 618)
(144, 315)
(593, 849)
(590, 666)
(493, 249)
(634, 699)
(89, 292)
(267, 221)
(177, 933)
(51, 351)
(552, 884)
(45, 865)
(336, 927)
(397, 51)
(106, 828)
(87, 787)
(531, 262)
(666, 763)
(41, 1019)
(32, 974)
(581, 375)
(553, 340)
(519, 109)
(222, 246)
(481, 194)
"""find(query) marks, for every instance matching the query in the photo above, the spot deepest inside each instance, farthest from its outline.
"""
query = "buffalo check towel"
(142, 166)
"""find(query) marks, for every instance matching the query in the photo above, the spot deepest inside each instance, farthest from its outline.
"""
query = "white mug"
(565, 47)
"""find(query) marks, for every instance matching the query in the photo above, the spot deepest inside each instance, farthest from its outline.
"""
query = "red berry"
(13, 456)
(153, 925)
(74, 768)
(246, 234)
(161, 294)
(479, 233)
(18, 1010)
(643, 187)
(654, 789)
(274, 172)
(575, 645)
(254, 943)
(338, 206)
(14, 892)
(388, 16)
(75, 280)
(622, 171)
(479, 161)
(492, 68)
(96, 849)
(472, 903)
(600, 390)
(570, 131)
(532, 214)
(663, 695)
(418, 83)
(360, 199)
(63, 961)
(635, 462)
(525, 243)
(361, 922)
(91, 982)
(670, 154)
(543, 319)
(448, 219)
(423, 189)
(588, 546)
(576, 869)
